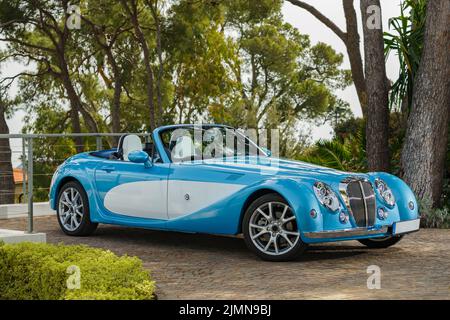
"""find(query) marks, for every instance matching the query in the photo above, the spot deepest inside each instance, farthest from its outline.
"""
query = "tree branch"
(322, 18)
(26, 44)
(11, 79)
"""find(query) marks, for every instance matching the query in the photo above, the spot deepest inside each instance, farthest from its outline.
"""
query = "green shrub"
(40, 271)
(434, 217)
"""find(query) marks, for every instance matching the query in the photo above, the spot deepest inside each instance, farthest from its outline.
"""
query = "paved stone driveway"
(188, 266)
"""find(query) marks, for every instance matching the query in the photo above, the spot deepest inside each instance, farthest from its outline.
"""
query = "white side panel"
(143, 199)
(186, 197)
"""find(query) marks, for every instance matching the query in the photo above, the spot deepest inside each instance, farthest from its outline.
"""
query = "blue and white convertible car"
(188, 179)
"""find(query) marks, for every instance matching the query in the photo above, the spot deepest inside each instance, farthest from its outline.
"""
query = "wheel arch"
(251, 198)
(403, 195)
(299, 196)
(61, 183)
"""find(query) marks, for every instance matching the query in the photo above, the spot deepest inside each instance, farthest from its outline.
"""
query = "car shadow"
(229, 246)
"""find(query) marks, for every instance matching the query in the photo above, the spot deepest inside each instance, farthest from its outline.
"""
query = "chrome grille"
(359, 198)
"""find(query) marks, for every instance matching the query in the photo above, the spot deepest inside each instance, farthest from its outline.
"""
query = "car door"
(132, 190)
(192, 188)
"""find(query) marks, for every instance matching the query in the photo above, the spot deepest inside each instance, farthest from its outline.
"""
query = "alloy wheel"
(273, 228)
(71, 209)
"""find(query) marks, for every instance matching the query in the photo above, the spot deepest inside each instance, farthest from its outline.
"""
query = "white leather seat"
(130, 143)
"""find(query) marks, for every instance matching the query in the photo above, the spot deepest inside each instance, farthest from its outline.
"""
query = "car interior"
(128, 143)
(179, 146)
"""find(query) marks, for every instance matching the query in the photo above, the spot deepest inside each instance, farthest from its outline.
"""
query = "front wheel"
(380, 243)
(73, 211)
(270, 229)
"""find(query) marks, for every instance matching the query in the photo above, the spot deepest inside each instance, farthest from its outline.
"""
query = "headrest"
(128, 144)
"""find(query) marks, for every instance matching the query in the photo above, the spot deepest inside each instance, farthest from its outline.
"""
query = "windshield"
(207, 142)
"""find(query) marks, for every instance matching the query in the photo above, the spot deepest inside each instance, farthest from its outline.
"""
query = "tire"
(279, 237)
(73, 210)
(380, 243)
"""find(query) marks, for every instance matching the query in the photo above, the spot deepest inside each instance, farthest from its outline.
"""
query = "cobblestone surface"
(189, 266)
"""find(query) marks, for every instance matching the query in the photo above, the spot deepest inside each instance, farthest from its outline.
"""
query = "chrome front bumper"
(396, 228)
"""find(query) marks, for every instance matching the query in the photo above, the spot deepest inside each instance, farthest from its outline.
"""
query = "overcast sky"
(307, 24)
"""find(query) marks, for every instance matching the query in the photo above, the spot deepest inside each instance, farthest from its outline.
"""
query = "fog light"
(313, 213)
(343, 218)
(382, 213)
(411, 205)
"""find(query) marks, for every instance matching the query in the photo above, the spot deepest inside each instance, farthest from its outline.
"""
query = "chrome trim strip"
(366, 214)
(346, 233)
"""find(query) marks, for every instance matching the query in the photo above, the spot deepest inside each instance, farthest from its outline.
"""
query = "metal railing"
(26, 151)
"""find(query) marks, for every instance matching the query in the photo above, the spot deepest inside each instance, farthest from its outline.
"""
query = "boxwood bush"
(43, 271)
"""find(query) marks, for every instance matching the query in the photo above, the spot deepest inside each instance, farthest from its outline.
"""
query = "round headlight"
(385, 192)
(382, 213)
(343, 218)
(326, 196)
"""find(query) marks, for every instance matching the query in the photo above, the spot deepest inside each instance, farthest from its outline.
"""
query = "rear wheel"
(380, 243)
(270, 229)
(73, 211)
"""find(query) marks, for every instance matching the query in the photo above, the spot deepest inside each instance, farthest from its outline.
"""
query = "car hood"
(277, 167)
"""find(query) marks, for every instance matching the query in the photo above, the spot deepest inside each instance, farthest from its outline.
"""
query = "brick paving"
(190, 266)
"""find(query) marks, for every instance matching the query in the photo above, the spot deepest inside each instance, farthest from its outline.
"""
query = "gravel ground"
(193, 266)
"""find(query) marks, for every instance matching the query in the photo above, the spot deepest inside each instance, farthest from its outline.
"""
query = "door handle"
(107, 168)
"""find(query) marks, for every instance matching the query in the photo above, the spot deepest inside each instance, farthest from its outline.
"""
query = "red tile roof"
(18, 175)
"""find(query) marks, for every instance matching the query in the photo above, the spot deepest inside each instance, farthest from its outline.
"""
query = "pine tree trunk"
(154, 9)
(377, 125)
(115, 108)
(6, 170)
(425, 148)
(352, 43)
(74, 108)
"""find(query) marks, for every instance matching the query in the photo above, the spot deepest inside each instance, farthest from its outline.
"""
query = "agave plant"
(407, 42)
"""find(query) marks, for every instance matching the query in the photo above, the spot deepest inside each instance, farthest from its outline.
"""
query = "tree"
(407, 42)
(282, 78)
(107, 32)
(424, 151)
(199, 58)
(338, 113)
(37, 31)
(351, 40)
(156, 15)
(136, 64)
(6, 170)
(377, 88)
(370, 82)
(132, 11)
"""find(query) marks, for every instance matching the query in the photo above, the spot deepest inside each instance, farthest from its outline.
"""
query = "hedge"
(41, 271)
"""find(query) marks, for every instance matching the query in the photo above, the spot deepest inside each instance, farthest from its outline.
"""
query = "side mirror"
(267, 151)
(140, 157)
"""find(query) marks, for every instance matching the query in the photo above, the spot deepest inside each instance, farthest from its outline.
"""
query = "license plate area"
(405, 226)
